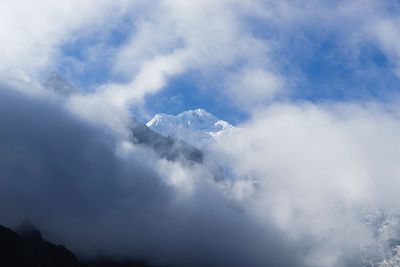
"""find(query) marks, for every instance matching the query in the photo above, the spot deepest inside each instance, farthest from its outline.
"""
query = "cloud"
(239, 48)
(301, 172)
(176, 37)
(316, 167)
(83, 188)
(217, 39)
(32, 33)
(253, 87)
(229, 43)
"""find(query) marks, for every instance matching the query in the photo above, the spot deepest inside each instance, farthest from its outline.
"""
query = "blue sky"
(313, 85)
(326, 73)
(318, 63)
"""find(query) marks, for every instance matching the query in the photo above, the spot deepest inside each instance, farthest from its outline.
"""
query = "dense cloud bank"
(312, 184)
(327, 173)
(73, 181)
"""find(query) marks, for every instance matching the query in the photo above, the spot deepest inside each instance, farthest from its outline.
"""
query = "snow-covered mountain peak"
(197, 119)
(157, 119)
(197, 127)
(200, 113)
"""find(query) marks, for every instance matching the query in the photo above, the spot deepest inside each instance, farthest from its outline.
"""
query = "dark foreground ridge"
(25, 247)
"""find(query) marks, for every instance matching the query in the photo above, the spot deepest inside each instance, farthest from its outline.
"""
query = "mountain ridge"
(197, 127)
(25, 247)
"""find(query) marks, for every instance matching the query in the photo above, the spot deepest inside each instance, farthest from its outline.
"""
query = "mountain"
(173, 149)
(197, 127)
(59, 85)
(25, 247)
(166, 147)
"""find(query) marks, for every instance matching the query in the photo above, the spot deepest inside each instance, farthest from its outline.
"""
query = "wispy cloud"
(313, 167)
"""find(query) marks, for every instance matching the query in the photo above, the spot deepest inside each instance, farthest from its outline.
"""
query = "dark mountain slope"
(26, 248)
(166, 147)
(29, 249)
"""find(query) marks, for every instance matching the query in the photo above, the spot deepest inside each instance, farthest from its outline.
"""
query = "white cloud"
(317, 166)
(212, 37)
(253, 87)
(171, 38)
(31, 32)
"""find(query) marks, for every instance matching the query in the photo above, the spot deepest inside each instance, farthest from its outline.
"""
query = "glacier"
(197, 127)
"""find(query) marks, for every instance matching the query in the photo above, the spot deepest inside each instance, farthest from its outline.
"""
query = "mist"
(326, 173)
(309, 178)
(78, 184)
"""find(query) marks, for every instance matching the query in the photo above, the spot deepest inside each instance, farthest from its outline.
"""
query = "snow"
(197, 127)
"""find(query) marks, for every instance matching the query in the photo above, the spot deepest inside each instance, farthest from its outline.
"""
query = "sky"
(327, 62)
(312, 172)
(302, 48)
